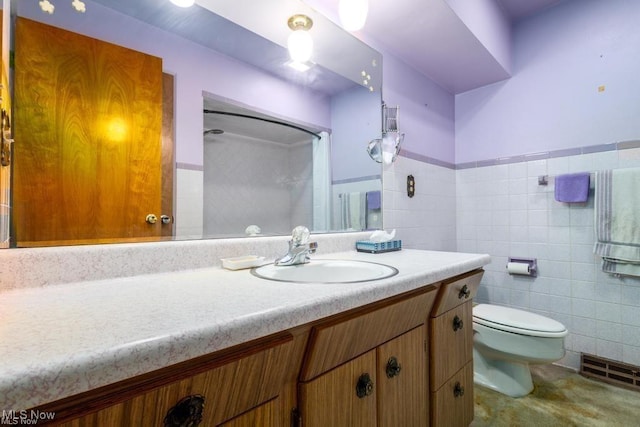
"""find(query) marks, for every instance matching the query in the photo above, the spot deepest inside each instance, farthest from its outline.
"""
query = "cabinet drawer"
(457, 291)
(230, 387)
(452, 404)
(451, 337)
(346, 337)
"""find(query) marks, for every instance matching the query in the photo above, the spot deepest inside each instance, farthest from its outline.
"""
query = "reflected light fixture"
(300, 42)
(48, 7)
(183, 3)
(353, 14)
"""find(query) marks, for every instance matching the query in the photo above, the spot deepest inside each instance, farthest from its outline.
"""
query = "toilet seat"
(517, 321)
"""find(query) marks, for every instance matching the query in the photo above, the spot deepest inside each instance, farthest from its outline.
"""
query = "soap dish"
(242, 262)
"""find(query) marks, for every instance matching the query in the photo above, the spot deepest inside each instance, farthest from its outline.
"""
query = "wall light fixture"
(386, 149)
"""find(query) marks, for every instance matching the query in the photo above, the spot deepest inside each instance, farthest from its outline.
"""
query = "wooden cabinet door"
(452, 340)
(402, 381)
(331, 399)
(266, 415)
(88, 132)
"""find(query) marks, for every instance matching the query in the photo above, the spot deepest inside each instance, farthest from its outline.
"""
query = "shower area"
(259, 171)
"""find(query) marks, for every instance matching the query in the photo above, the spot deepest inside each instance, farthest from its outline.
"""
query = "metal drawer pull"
(464, 292)
(457, 323)
(458, 390)
(364, 387)
(393, 367)
(186, 413)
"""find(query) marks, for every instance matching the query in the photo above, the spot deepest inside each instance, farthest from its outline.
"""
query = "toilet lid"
(517, 321)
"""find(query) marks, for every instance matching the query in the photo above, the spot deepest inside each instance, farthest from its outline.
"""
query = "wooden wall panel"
(88, 129)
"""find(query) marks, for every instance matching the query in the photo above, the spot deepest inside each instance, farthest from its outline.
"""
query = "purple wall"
(489, 24)
(355, 119)
(196, 69)
(426, 112)
(561, 56)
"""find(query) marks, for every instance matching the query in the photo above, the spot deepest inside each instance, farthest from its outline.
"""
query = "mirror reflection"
(208, 175)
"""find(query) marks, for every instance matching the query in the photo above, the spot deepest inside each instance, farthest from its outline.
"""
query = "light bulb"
(353, 14)
(183, 3)
(300, 45)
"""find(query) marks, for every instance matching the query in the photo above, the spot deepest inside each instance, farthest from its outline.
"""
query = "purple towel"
(573, 188)
(373, 200)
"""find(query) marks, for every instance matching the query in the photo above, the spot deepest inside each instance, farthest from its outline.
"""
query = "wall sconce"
(353, 14)
(300, 42)
(48, 7)
(183, 3)
(385, 149)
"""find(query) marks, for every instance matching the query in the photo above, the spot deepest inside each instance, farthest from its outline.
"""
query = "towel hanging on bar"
(617, 223)
(572, 188)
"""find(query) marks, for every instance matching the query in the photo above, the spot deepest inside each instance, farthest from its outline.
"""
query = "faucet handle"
(300, 235)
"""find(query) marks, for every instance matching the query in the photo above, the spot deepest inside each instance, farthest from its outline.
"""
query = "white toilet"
(506, 341)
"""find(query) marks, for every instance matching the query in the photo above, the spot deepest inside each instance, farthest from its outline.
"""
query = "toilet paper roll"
(518, 268)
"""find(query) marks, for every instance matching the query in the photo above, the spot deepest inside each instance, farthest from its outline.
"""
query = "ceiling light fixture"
(183, 3)
(353, 14)
(300, 42)
(300, 66)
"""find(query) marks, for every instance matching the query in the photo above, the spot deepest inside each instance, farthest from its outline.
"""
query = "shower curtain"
(321, 182)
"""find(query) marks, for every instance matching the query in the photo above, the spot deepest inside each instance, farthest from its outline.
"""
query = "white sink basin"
(326, 271)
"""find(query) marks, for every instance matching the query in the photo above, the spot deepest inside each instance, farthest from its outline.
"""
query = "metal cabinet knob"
(464, 292)
(186, 413)
(457, 323)
(166, 219)
(151, 219)
(458, 390)
(364, 387)
(393, 367)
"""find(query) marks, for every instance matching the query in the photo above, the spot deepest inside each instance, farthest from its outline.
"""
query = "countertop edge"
(37, 385)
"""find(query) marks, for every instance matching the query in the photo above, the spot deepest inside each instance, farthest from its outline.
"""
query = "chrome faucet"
(299, 248)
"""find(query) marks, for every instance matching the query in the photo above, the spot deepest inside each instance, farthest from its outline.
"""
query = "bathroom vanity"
(228, 348)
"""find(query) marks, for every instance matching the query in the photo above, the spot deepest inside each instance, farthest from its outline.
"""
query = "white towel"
(617, 220)
(352, 211)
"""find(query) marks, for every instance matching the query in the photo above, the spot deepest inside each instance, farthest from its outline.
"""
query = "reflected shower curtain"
(321, 182)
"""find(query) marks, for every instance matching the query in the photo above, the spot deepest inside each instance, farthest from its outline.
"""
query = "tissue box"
(378, 247)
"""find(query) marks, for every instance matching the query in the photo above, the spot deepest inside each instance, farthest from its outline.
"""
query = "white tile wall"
(427, 220)
(271, 187)
(501, 210)
(189, 203)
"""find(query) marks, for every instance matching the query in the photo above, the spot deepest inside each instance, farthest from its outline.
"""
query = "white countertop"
(61, 340)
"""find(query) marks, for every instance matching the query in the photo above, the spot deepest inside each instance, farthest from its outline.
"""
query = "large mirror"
(244, 139)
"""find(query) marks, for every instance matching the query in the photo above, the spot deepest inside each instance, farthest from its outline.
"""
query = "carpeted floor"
(560, 398)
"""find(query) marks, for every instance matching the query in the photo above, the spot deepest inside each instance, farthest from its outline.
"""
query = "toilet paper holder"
(532, 264)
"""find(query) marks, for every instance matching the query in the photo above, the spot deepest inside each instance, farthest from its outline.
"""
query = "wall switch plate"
(411, 186)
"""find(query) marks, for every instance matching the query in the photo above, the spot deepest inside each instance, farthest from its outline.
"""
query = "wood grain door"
(332, 400)
(88, 131)
(403, 398)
